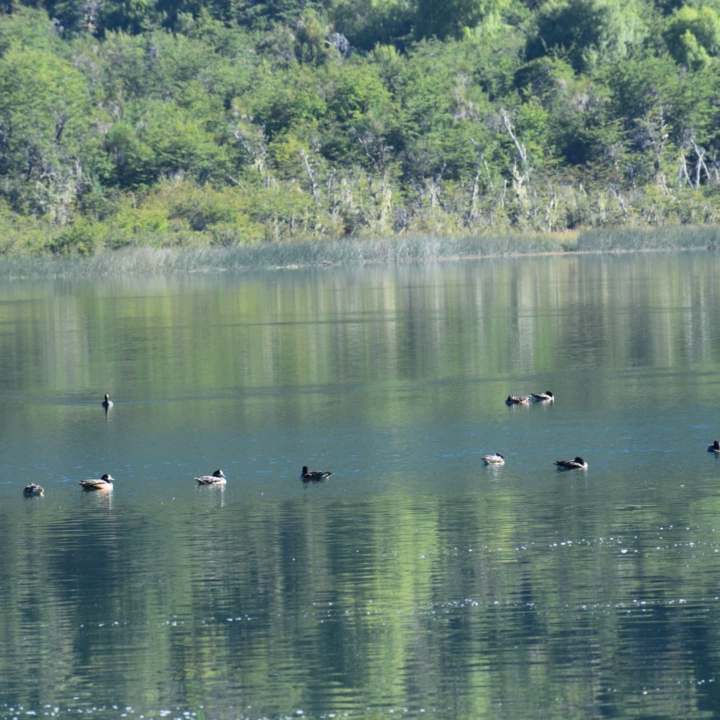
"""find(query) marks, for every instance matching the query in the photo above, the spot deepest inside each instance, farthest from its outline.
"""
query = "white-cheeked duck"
(33, 490)
(217, 478)
(577, 464)
(714, 447)
(543, 397)
(511, 400)
(313, 475)
(103, 483)
(107, 403)
(494, 459)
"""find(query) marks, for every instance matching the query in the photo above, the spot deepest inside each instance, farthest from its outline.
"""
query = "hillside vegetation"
(231, 122)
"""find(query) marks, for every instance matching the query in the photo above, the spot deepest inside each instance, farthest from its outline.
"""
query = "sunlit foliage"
(355, 117)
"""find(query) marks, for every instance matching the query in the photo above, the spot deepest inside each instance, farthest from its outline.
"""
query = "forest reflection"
(412, 581)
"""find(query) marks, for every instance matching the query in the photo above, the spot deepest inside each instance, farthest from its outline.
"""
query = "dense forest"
(227, 122)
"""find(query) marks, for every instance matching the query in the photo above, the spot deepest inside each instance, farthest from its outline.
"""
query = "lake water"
(415, 582)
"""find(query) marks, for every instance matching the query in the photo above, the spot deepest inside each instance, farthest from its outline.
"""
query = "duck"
(494, 459)
(33, 490)
(313, 475)
(107, 403)
(714, 447)
(577, 464)
(517, 400)
(104, 482)
(543, 397)
(217, 478)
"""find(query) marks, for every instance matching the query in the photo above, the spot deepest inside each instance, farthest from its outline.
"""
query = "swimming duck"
(217, 478)
(577, 464)
(313, 475)
(107, 403)
(33, 490)
(517, 400)
(494, 459)
(543, 397)
(104, 482)
(715, 447)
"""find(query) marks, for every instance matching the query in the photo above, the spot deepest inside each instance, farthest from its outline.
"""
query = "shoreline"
(573, 253)
(148, 260)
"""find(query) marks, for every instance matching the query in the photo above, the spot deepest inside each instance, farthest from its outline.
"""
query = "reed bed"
(354, 252)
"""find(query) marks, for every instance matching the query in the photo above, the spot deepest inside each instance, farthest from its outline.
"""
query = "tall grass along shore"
(286, 255)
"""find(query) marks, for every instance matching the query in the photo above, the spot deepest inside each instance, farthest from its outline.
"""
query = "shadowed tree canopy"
(450, 18)
(587, 31)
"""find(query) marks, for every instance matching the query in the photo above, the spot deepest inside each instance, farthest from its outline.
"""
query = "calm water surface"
(415, 582)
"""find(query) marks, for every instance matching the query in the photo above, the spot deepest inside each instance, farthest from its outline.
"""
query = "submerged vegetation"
(226, 123)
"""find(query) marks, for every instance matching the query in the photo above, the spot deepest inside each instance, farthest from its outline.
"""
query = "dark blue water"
(415, 582)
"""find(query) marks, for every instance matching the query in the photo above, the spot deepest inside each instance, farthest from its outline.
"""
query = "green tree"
(445, 113)
(585, 30)
(285, 99)
(29, 27)
(160, 139)
(450, 18)
(132, 16)
(48, 146)
(692, 35)
(546, 78)
(367, 23)
(358, 126)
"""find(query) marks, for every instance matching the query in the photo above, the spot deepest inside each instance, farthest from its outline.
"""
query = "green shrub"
(82, 237)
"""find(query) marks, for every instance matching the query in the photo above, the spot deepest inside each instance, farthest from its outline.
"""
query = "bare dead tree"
(474, 197)
(700, 166)
(521, 164)
(314, 187)
(473, 212)
(683, 173)
(550, 208)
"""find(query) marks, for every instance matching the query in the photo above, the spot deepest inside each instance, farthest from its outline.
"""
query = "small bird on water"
(517, 400)
(33, 490)
(543, 397)
(494, 459)
(107, 403)
(577, 464)
(104, 482)
(313, 475)
(714, 447)
(217, 478)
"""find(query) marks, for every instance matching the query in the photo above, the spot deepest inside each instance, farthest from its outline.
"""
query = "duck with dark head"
(217, 478)
(33, 490)
(576, 464)
(103, 483)
(313, 475)
(543, 397)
